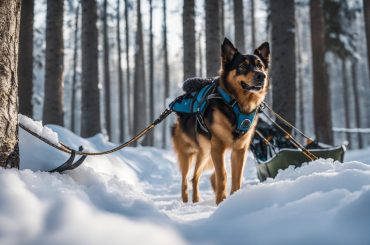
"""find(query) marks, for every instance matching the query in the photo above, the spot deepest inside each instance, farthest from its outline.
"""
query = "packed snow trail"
(133, 197)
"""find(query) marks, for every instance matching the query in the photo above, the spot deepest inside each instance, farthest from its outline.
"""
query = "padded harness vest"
(197, 102)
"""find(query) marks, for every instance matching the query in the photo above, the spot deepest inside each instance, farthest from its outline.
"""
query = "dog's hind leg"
(213, 181)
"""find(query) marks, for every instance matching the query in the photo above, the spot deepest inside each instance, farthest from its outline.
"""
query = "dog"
(245, 79)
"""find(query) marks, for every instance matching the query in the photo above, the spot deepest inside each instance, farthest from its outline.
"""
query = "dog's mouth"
(247, 87)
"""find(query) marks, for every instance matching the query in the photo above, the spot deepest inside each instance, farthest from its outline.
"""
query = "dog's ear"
(263, 52)
(228, 51)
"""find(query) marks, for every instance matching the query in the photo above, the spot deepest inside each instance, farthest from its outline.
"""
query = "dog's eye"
(259, 64)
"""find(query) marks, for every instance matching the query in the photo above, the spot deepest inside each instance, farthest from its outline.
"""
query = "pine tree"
(120, 77)
(9, 19)
(90, 101)
(25, 60)
(188, 25)
(140, 115)
(74, 76)
(213, 42)
(239, 25)
(53, 92)
(321, 88)
(283, 72)
(106, 70)
(166, 70)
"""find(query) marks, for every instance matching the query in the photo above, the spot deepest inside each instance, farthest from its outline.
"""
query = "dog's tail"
(195, 84)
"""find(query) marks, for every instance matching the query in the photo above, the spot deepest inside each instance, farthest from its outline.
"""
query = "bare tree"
(222, 19)
(74, 76)
(25, 60)
(140, 115)
(188, 25)
(90, 102)
(106, 70)
(128, 81)
(53, 92)
(120, 76)
(283, 72)
(356, 95)
(200, 56)
(321, 89)
(9, 19)
(239, 25)
(166, 69)
(213, 42)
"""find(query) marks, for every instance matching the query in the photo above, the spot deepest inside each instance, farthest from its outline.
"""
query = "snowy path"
(133, 197)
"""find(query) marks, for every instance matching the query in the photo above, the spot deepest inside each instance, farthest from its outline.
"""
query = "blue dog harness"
(197, 102)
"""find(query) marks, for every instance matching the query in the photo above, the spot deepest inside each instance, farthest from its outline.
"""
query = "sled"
(273, 151)
(286, 157)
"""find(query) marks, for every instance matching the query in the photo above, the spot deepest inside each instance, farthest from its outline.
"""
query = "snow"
(133, 197)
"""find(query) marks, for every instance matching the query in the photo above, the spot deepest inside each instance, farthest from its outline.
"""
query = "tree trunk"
(9, 29)
(253, 25)
(356, 95)
(366, 4)
(53, 92)
(283, 72)
(200, 55)
(222, 20)
(239, 25)
(90, 105)
(321, 89)
(25, 60)
(140, 105)
(106, 71)
(213, 43)
(301, 94)
(150, 135)
(120, 78)
(74, 78)
(346, 101)
(128, 81)
(166, 70)
(188, 25)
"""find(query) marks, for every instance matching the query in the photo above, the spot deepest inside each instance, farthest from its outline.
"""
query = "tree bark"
(188, 25)
(150, 135)
(54, 52)
(128, 81)
(283, 68)
(90, 105)
(25, 58)
(120, 77)
(74, 77)
(9, 29)
(366, 4)
(166, 69)
(140, 105)
(346, 101)
(106, 70)
(253, 25)
(239, 25)
(213, 43)
(321, 89)
(356, 95)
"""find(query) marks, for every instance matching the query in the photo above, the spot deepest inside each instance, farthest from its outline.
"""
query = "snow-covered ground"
(133, 197)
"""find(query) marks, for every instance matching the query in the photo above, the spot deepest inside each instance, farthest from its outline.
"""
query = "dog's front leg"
(238, 157)
(217, 153)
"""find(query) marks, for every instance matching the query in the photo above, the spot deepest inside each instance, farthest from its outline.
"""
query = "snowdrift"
(133, 197)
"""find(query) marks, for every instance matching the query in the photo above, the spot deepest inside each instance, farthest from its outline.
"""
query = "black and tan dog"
(244, 78)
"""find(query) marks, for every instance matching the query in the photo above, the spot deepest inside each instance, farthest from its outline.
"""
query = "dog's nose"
(259, 77)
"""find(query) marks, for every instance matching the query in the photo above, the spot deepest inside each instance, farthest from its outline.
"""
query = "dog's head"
(245, 76)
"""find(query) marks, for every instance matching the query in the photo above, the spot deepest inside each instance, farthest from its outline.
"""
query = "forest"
(98, 72)
(113, 66)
